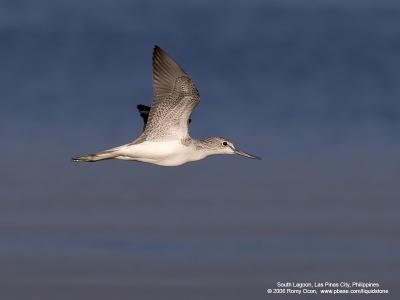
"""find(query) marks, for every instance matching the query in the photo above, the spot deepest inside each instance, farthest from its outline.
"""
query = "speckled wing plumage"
(144, 111)
(176, 96)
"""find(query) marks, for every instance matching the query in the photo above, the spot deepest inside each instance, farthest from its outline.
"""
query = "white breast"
(171, 153)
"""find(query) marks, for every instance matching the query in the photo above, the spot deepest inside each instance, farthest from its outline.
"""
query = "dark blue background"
(311, 86)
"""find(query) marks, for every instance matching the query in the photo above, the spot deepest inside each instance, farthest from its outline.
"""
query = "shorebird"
(165, 139)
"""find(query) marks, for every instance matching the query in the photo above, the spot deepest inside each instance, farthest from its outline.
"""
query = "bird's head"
(220, 145)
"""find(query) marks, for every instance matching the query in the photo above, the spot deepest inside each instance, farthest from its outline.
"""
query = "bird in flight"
(165, 139)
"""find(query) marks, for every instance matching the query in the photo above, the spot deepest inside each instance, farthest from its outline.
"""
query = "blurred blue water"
(312, 87)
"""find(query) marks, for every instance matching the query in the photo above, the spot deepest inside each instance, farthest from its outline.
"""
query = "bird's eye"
(224, 143)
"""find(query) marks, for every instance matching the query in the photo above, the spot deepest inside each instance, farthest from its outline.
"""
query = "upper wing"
(144, 111)
(176, 96)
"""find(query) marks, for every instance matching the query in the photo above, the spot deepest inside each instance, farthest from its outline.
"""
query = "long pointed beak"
(238, 152)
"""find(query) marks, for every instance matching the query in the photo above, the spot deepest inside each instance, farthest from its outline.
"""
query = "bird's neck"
(204, 146)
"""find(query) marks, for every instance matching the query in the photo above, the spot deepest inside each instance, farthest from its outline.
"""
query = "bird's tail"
(108, 154)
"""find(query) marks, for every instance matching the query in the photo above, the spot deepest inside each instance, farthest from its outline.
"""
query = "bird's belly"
(160, 153)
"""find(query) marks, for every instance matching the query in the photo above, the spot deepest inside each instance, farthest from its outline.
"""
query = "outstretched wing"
(176, 96)
(144, 111)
